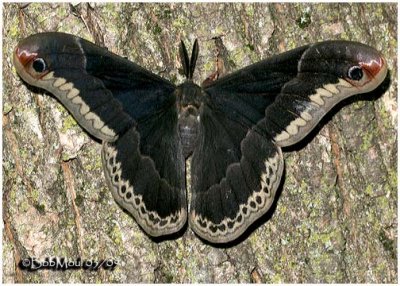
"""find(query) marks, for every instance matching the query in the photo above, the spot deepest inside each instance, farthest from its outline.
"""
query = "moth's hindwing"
(158, 204)
(232, 187)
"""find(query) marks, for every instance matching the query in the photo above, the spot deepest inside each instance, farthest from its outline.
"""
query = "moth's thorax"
(189, 100)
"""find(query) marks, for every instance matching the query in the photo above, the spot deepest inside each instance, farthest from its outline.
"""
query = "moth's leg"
(223, 65)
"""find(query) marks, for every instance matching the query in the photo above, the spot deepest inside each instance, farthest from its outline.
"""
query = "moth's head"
(361, 66)
(37, 55)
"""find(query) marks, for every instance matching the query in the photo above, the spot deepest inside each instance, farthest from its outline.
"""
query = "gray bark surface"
(335, 219)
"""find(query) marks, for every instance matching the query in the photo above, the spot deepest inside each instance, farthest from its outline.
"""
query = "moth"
(233, 127)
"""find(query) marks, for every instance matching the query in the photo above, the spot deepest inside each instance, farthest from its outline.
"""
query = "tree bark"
(335, 219)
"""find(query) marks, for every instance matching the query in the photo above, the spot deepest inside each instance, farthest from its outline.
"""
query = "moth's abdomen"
(189, 102)
(188, 129)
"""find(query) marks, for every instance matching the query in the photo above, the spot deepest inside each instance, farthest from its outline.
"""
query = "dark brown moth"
(233, 127)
